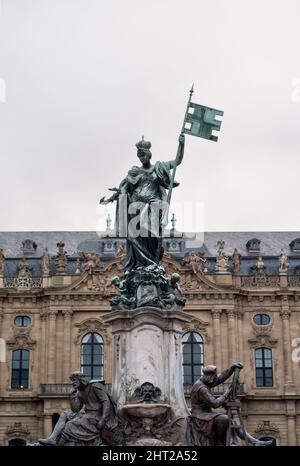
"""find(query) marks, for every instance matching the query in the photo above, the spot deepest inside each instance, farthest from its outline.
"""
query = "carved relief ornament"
(92, 326)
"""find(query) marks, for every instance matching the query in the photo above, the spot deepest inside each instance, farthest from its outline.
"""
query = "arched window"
(263, 367)
(20, 369)
(92, 360)
(17, 442)
(192, 357)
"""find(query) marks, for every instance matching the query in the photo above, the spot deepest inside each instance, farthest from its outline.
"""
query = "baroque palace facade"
(242, 290)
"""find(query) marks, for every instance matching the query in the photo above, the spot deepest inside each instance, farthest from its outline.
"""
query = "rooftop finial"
(173, 221)
(108, 222)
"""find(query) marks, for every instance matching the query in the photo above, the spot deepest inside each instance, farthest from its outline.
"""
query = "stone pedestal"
(147, 348)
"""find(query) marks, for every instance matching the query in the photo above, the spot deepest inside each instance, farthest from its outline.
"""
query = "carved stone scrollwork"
(261, 330)
(266, 429)
(21, 339)
(90, 326)
(23, 283)
(294, 280)
(17, 430)
(263, 340)
(160, 430)
(262, 334)
(197, 325)
(261, 280)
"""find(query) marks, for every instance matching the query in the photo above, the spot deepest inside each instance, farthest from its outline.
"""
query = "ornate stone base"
(147, 349)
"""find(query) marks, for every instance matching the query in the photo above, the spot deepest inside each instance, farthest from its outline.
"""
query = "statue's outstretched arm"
(227, 373)
(112, 198)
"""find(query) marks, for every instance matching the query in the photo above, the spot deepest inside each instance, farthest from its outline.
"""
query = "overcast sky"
(82, 80)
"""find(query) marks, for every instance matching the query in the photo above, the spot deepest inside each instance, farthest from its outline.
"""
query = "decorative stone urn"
(147, 363)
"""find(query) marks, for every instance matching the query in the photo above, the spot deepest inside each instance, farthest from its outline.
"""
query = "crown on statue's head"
(142, 144)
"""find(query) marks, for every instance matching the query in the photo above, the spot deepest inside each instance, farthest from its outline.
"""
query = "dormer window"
(295, 245)
(29, 247)
(253, 245)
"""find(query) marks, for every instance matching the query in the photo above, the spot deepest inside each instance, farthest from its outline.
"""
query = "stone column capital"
(216, 313)
(285, 314)
(52, 315)
(231, 313)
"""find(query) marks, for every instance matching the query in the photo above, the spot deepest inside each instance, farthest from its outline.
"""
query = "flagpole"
(178, 149)
(175, 166)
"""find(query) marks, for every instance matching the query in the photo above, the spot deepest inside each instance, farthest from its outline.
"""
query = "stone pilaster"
(52, 346)
(287, 352)
(232, 336)
(43, 360)
(2, 350)
(216, 316)
(240, 336)
(291, 423)
(67, 344)
(47, 425)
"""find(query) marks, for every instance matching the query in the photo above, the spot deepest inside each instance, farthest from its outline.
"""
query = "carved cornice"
(92, 326)
(197, 325)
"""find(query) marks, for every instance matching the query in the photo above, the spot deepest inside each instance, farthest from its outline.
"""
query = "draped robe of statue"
(143, 190)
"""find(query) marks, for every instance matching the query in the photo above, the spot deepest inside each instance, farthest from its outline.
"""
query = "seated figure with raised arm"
(206, 427)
